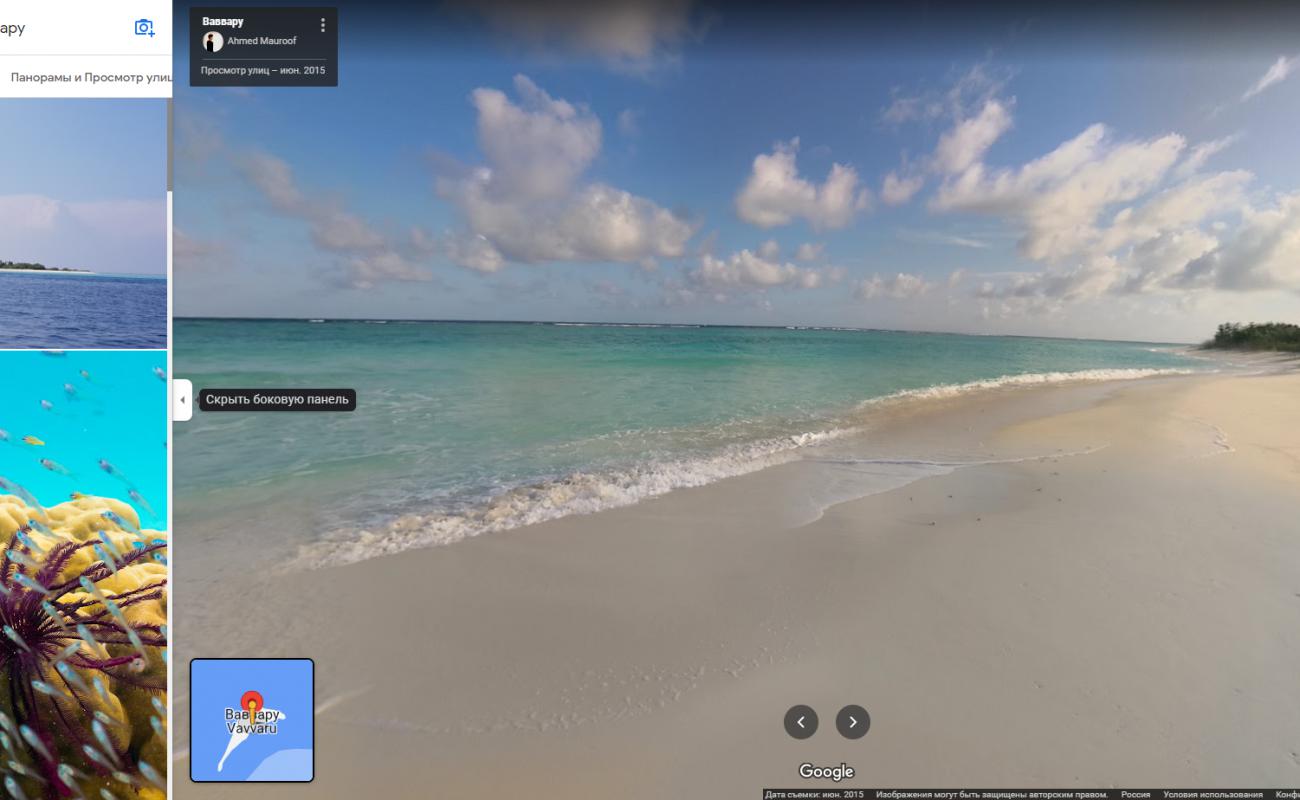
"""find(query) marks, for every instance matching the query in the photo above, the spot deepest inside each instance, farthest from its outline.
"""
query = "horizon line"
(593, 323)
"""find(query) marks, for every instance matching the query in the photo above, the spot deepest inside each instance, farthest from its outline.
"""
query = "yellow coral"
(111, 705)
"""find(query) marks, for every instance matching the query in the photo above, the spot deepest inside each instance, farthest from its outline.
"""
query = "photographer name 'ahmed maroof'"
(262, 41)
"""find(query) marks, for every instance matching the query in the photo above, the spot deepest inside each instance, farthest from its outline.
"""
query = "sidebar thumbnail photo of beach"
(83, 574)
(83, 223)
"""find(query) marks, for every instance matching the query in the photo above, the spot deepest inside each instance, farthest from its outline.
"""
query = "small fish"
(33, 441)
(22, 494)
(28, 541)
(78, 496)
(54, 466)
(15, 638)
(20, 558)
(69, 775)
(108, 560)
(102, 690)
(7, 744)
(101, 733)
(97, 757)
(70, 675)
(85, 374)
(150, 774)
(162, 376)
(158, 727)
(158, 706)
(13, 788)
(93, 644)
(119, 521)
(67, 652)
(108, 467)
(140, 501)
(40, 527)
(4, 435)
(28, 583)
(45, 688)
(36, 743)
(70, 391)
(53, 613)
(47, 405)
(106, 719)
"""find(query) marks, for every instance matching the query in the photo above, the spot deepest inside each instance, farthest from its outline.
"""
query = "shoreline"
(50, 271)
(1033, 622)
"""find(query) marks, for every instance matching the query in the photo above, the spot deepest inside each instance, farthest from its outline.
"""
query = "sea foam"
(590, 492)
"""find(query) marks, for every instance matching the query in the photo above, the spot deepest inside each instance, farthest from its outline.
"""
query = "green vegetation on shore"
(1256, 336)
(34, 266)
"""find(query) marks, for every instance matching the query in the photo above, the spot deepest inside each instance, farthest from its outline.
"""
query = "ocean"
(118, 413)
(467, 428)
(76, 311)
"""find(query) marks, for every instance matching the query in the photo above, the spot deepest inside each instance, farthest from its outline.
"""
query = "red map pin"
(252, 701)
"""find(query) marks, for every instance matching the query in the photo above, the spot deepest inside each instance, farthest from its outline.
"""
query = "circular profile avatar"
(213, 41)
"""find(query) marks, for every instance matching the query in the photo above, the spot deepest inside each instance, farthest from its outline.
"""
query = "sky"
(665, 161)
(83, 184)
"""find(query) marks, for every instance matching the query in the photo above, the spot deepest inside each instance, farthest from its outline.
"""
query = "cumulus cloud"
(1058, 197)
(775, 194)
(1277, 72)
(1264, 252)
(529, 203)
(748, 270)
(1110, 217)
(902, 286)
(632, 36)
(897, 189)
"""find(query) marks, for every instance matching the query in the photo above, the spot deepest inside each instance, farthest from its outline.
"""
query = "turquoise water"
(469, 427)
(118, 413)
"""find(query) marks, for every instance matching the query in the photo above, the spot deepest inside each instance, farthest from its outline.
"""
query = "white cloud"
(367, 256)
(897, 189)
(537, 147)
(633, 36)
(809, 251)
(968, 140)
(1264, 252)
(769, 249)
(902, 286)
(1278, 72)
(1204, 152)
(29, 211)
(939, 237)
(528, 203)
(745, 270)
(1058, 197)
(629, 122)
(775, 194)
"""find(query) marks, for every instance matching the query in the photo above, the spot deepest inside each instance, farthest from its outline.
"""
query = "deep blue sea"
(74, 311)
(465, 428)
